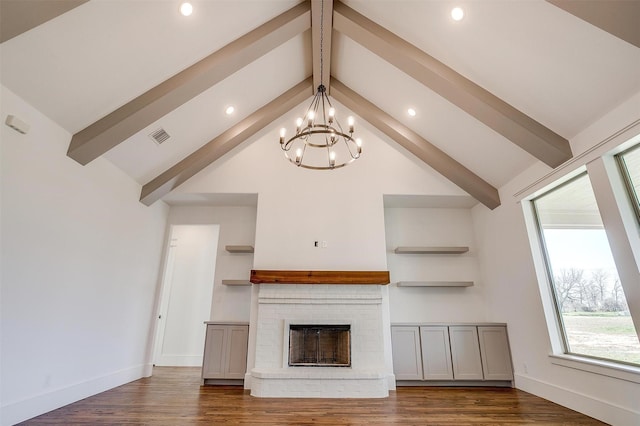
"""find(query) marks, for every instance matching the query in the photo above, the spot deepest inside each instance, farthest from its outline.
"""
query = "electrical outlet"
(324, 244)
(316, 244)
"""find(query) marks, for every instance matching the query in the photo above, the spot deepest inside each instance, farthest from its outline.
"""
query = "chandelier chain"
(322, 42)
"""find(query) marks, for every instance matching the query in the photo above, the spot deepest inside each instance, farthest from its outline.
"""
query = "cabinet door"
(214, 352)
(465, 353)
(496, 357)
(436, 353)
(236, 357)
(405, 344)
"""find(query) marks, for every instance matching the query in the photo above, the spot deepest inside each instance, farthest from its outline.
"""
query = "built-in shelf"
(319, 277)
(431, 250)
(435, 283)
(239, 249)
(236, 282)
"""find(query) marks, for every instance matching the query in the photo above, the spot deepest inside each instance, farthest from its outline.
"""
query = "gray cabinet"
(450, 353)
(436, 353)
(465, 353)
(225, 351)
(496, 358)
(405, 344)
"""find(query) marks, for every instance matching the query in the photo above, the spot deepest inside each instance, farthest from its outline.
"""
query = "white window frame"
(634, 198)
(624, 237)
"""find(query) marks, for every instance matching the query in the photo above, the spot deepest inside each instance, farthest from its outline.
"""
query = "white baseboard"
(17, 411)
(593, 407)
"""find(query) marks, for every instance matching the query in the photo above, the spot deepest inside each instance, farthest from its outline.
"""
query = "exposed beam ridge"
(620, 18)
(528, 134)
(19, 16)
(147, 108)
(321, 30)
(417, 145)
(217, 147)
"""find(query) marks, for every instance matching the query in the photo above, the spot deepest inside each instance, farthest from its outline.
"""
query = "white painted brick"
(359, 305)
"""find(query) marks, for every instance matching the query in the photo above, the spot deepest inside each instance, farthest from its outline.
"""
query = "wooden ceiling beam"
(528, 134)
(20, 16)
(225, 142)
(417, 145)
(620, 18)
(321, 30)
(104, 134)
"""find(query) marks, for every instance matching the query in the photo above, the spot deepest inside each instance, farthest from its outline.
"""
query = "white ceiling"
(554, 67)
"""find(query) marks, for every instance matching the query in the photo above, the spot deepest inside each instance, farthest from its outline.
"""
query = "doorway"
(187, 290)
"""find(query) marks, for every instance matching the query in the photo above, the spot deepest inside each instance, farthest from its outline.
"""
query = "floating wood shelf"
(239, 249)
(236, 282)
(431, 250)
(435, 283)
(319, 277)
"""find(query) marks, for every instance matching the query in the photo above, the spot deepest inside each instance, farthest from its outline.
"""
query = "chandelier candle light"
(319, 142)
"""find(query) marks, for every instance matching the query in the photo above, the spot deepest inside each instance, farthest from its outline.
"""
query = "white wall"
(237, 227)
(343, 207)
(416, 227)
(512, 293)
(80, 262)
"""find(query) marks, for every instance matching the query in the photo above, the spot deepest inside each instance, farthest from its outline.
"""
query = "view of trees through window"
(590, 299)
(597, 291)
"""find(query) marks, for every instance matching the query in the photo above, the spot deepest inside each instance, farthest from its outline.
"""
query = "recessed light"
(457, 13)
(229, 110)
(186, 9)
(411, 112)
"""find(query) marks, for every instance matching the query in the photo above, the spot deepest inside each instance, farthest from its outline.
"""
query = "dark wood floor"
(173, 396)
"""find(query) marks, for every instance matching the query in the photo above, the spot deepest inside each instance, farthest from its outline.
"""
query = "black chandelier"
(320, 142)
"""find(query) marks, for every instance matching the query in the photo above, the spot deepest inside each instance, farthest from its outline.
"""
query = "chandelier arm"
(332, 164)
(305, 118)
(304, 149)
(325, 98)
(354, 156)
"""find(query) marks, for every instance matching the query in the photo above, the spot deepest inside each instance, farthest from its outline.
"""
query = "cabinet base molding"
(225, 382)
(459, 383)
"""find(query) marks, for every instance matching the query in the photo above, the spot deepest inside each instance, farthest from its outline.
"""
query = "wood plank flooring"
(173, 396)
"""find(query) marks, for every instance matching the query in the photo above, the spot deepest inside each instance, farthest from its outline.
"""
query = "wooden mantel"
(319, 277)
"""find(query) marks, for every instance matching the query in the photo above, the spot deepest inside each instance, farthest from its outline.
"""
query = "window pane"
(630, 162)
(590, 300)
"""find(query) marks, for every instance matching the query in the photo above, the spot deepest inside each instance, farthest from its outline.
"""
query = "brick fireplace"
(355, 312)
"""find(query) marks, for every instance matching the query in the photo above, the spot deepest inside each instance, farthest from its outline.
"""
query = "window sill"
(603, 368)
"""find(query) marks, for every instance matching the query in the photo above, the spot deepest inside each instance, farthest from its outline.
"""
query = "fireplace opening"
(318, 345)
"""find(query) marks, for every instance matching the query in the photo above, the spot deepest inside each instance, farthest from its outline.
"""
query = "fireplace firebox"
(319, 345)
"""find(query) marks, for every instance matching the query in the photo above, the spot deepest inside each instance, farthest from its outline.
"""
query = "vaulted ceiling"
(503, 88)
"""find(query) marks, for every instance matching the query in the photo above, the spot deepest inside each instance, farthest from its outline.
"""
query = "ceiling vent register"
(159, 136)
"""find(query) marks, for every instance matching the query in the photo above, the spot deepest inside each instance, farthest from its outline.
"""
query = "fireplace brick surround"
(360, 306)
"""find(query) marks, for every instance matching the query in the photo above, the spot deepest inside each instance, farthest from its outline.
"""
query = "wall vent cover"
(159, 136)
